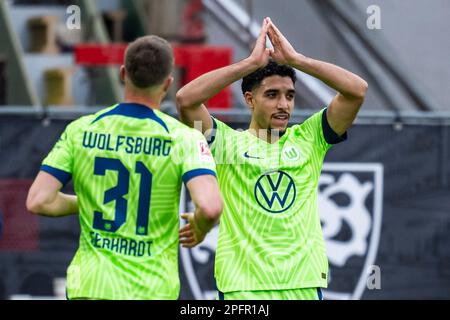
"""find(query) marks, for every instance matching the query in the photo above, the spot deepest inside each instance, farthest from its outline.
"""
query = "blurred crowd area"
(402, 56)
(43, 51)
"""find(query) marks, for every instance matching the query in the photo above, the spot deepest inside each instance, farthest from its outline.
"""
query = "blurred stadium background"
(384, 195)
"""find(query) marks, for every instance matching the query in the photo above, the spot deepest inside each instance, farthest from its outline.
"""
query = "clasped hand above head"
(282, 52)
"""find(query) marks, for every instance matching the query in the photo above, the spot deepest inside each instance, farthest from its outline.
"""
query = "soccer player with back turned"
(128, 163)
(270, 241)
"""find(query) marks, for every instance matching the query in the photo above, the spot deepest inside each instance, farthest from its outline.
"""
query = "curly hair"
(253, 80)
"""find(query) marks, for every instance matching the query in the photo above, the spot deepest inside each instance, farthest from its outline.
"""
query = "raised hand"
(283, 52)
(261, 54)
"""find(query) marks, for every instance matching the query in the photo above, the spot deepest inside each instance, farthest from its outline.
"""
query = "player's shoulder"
(176, 128)
(225, 131)
(173, 124)
(220, 125)
(170, 122)
(87, 120)
(185, 133)
(313, 120)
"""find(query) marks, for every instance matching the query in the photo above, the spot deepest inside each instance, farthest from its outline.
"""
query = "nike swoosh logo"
(251, 157)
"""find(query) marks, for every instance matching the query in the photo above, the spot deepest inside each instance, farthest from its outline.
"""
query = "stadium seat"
(58, 86)
(42, 31)
(164, 18)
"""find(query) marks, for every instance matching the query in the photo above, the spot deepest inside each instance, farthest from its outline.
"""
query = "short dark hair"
(253, 80)
(148, 61)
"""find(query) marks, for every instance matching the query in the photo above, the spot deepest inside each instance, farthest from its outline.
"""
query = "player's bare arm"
(45, 198)
(205, 194)
(191, 98)
(351, 88)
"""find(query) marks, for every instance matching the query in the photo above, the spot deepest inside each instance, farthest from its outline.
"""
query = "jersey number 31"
(118, 192)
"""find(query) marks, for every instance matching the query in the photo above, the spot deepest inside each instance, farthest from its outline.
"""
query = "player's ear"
(249, 99)
(168, 83)
(122, 74)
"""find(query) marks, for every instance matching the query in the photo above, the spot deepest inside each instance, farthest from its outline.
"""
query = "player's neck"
(269, 136)
(146, 100)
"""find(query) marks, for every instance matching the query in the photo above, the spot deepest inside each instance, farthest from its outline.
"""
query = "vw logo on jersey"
(291, 153)
(350, 200)
(275, 192)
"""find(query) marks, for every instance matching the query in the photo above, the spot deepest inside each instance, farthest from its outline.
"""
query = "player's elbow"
(182, 100)
(34, 203)
(361, 91)
(212, 209)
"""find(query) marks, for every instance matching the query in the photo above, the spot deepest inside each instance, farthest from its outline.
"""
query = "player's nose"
(283, 104)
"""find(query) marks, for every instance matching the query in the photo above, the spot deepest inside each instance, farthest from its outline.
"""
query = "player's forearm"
(65, 205)
(345, 82)
(204, 221)
(207, 211)
(58, 205)
(208, 85)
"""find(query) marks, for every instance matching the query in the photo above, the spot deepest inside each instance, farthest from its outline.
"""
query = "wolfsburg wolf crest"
(350, 205)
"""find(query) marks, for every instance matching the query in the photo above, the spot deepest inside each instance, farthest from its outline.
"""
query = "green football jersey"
(270, 232)
(128, 163)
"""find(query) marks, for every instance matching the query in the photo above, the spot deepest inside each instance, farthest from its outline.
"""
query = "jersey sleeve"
(217, 139)
(59, 162)
(319, 129)
(195, 155)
